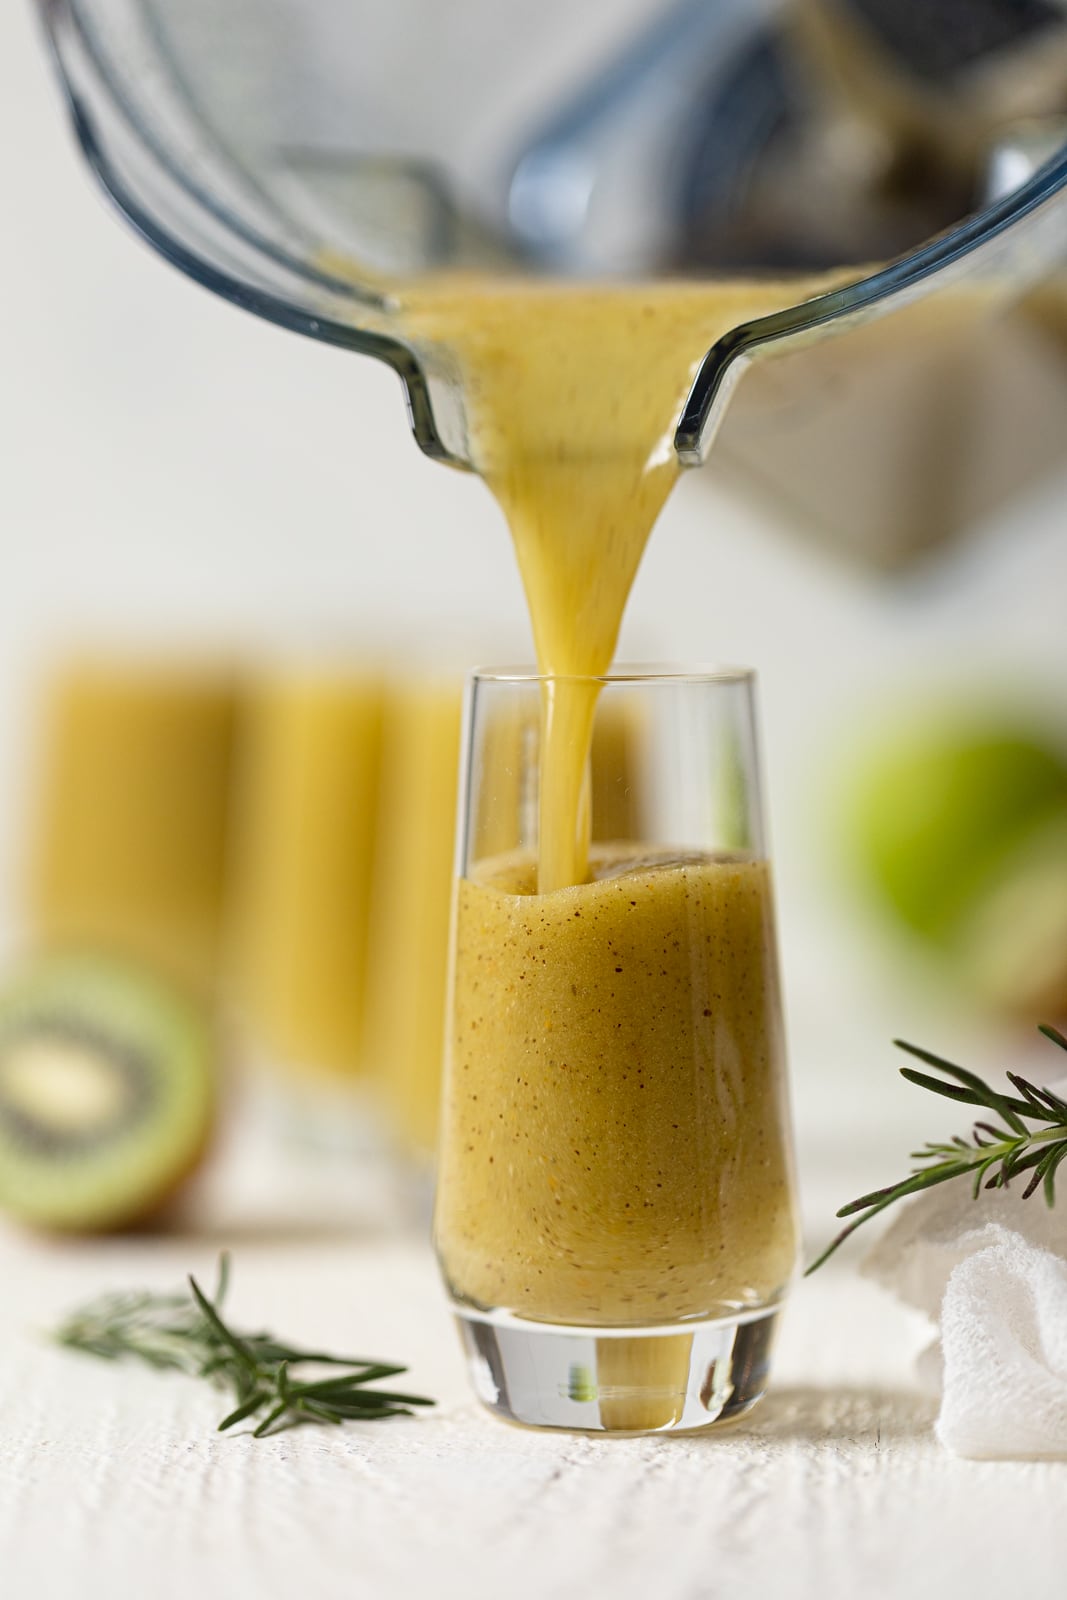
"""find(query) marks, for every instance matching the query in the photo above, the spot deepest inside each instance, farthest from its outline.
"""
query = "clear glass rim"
(634, 675)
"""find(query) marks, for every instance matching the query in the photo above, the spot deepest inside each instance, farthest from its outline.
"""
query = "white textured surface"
(113, 1482)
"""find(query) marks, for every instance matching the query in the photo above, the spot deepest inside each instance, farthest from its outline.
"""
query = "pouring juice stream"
(573, 395)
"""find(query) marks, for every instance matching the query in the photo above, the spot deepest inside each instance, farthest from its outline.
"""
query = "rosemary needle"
(186, 1332)
(996, 1151)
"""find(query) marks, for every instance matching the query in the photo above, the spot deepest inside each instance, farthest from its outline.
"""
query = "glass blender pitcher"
(919, 147)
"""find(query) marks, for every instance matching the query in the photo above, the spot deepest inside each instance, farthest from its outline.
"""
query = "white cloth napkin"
(992, 1273)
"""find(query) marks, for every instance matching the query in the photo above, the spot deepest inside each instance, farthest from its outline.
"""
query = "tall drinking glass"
(616, 1218)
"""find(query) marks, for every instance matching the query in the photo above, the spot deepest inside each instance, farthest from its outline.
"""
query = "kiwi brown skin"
(127, 1174)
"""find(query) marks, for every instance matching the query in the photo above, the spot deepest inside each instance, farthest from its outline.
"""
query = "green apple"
(961, 829)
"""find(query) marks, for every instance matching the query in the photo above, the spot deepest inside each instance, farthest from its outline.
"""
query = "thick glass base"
(611, 1380)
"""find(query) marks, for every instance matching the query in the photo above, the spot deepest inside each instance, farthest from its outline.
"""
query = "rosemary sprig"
(186, 1332)
(996, 1152)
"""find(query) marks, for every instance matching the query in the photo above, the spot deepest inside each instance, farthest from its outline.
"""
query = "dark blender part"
(267, 147)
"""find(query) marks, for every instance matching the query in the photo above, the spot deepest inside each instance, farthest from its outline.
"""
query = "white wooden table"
(113, 1482)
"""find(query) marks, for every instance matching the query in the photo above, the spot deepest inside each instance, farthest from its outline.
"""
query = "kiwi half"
(107, 1079)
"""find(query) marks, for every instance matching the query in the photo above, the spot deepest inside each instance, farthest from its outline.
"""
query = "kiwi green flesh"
(106, 1093)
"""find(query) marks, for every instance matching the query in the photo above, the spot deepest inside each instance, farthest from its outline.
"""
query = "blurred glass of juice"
(129, 816)
(306, 822)
(412, 899)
